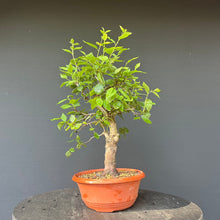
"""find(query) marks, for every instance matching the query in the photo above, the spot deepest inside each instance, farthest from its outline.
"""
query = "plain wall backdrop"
(178, 43)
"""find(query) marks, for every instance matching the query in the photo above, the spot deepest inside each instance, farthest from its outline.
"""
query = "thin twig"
(92, 138)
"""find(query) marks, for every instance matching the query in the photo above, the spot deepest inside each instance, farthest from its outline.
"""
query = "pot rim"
(138, 177)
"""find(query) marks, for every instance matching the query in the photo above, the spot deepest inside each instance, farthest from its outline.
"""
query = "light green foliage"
(108, 89)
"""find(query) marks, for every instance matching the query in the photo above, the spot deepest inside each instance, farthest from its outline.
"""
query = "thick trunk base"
(111, 173)
(110, 161)
(110, 150)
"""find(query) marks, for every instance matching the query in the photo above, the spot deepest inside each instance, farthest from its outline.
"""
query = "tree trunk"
(110, 149)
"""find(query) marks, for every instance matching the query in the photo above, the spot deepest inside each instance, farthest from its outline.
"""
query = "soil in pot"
(100, 175)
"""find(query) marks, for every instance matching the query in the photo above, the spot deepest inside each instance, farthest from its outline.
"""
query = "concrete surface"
(66, 204)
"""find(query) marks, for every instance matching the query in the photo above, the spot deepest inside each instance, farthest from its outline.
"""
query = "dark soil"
(101, 175)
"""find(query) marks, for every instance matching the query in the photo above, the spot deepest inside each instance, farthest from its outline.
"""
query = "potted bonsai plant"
(100, 91)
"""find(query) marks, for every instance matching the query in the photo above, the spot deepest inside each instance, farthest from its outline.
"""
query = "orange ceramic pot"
(108, 195)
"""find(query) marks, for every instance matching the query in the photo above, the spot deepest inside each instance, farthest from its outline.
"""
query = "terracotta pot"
(108, 195)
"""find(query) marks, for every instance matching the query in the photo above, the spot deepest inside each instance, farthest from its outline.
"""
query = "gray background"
(179, 46)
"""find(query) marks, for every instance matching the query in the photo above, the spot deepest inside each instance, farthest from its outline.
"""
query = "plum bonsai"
(101, 90)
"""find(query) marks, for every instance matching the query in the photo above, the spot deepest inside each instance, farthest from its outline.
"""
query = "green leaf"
(121, 109)
(146, 87)
(83, 52)
(93, 103)
(130, 60)
(156, 94)
(63, 68)
(67, 128)
(104, 36)
(61, 101)
(107, 105)
(121, 116)
(71, 134)
(157, 90)
(60, 125)
(148, 104)
(91, 45)
(117, 104)
(80, 88)
(103, 58)
(100, 78)
(65, 106)
(70, 141)
(118, 70)
(68, 51)
(92, 129)
(76, 126)
(146, 118)
(136, 118)
(123, 93)
(78, 146)
(124, 35)
(77, 48)
(72, 150)
(72, 118)
(77, 138)
(122, 29)
(63, 76)
(148, 114)
(68, 154)
(76, 105)
(54, 119)
(63, 84)
(137, 66)
(98, 43)
(107, 122)
(96, 135)
(109, 50)
(98, 114)
(99, 101)
(74, 101)
(123, 131)
(98, 89)
(90, 57)
(110, 94)
(63, 117)
(72, 41)
(70, 68)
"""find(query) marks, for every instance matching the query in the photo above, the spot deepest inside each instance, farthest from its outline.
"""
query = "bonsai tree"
(101, 90)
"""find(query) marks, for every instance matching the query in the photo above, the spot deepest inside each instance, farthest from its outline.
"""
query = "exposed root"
(110, 173)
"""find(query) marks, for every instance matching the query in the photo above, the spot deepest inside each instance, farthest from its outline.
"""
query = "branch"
(135, 113)
(103, 110)
(99, 47)
(87, 114)
(87, 123)
(103, 127)
(92, 138)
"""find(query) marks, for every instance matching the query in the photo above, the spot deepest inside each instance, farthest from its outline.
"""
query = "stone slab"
(66, 204)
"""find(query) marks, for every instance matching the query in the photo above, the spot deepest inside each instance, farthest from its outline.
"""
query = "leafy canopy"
(108, 90)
